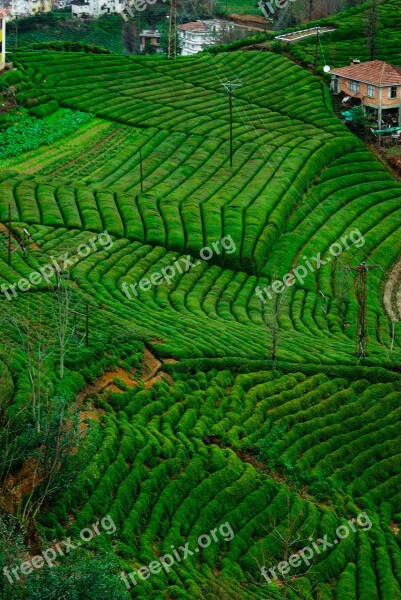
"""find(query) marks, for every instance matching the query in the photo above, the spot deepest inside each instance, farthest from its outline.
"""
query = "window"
(392, 93)
(354, 86)
(371, 91)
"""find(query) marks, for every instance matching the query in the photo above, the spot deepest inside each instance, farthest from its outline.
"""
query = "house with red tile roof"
(376, 84)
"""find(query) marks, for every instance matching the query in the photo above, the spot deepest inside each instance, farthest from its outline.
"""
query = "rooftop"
(377, 72)
(194, 26)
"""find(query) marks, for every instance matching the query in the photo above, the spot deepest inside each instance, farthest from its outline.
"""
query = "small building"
(3, 15)
(197, 35)
(21, 8)
(96, 8)
(148, 36)
(376, 84)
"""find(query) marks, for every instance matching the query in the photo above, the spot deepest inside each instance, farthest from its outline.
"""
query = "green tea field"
(180, 352)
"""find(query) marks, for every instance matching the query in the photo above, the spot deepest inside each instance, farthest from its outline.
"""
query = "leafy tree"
(129, 37)
(360, 123)
(80, 576)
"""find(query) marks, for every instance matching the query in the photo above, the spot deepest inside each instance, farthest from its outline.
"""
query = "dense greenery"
(165, 408)
(349, 40)
(28, 133)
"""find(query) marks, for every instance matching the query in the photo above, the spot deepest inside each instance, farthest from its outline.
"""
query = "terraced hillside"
(349, 39)
(300, 182)
(200, 428)
(105, 33)
(197, 450)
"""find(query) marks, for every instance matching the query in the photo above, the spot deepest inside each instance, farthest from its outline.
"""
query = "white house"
(29, 7)
(196, 36)
(96, 8)
(3, 17)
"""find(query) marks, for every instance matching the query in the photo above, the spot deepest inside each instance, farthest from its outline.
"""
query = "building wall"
(363, 94)
(195, 41)
(30, 7)
(95, 8)
(2, 42)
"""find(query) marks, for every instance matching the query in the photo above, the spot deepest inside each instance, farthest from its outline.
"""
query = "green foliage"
(37, 132)
(44, 110)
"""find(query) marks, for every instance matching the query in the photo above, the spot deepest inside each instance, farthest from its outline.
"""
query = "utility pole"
(141, 169)
(276, 307)
(362, 331)
(172, 30)
(317, 48)
(87, 325)
(230, 86)
(9, 234)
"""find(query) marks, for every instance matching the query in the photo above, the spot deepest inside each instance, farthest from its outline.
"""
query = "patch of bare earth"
(150, 374)
(392, 293)
(105, 383)
(18, 485)
(395, 527)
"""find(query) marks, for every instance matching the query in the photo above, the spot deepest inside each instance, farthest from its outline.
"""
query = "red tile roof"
(377, 72)
(194, 26)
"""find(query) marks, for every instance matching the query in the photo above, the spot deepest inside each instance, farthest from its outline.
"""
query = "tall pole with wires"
(317, 49)
(362, 293)
(172, 30)
(141, 169)
(230, 86)
(9, 234)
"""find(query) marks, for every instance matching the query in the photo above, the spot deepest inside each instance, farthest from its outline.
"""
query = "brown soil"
(150, 374)
(252, 22)
(16, 486)
(108, 377)
(151, 365)
(32, 245)
(84, 415)
(395, 528)
(159, 377)
(105, 383)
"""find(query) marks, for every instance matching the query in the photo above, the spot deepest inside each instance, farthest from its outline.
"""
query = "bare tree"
(372, 26)
(129, 37)
(289, 535)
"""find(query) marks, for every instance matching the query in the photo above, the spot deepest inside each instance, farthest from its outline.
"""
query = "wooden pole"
(141, 169)
(230, 95)
(362, 293)
(87, 325)
(170, 25)
(9, 234)
(230, 87)
(317, 49)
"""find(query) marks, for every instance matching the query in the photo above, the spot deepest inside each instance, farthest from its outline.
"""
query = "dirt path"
(150, 374)
(392, 293)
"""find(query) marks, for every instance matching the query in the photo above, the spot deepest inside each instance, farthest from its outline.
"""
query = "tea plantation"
(222, 406)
